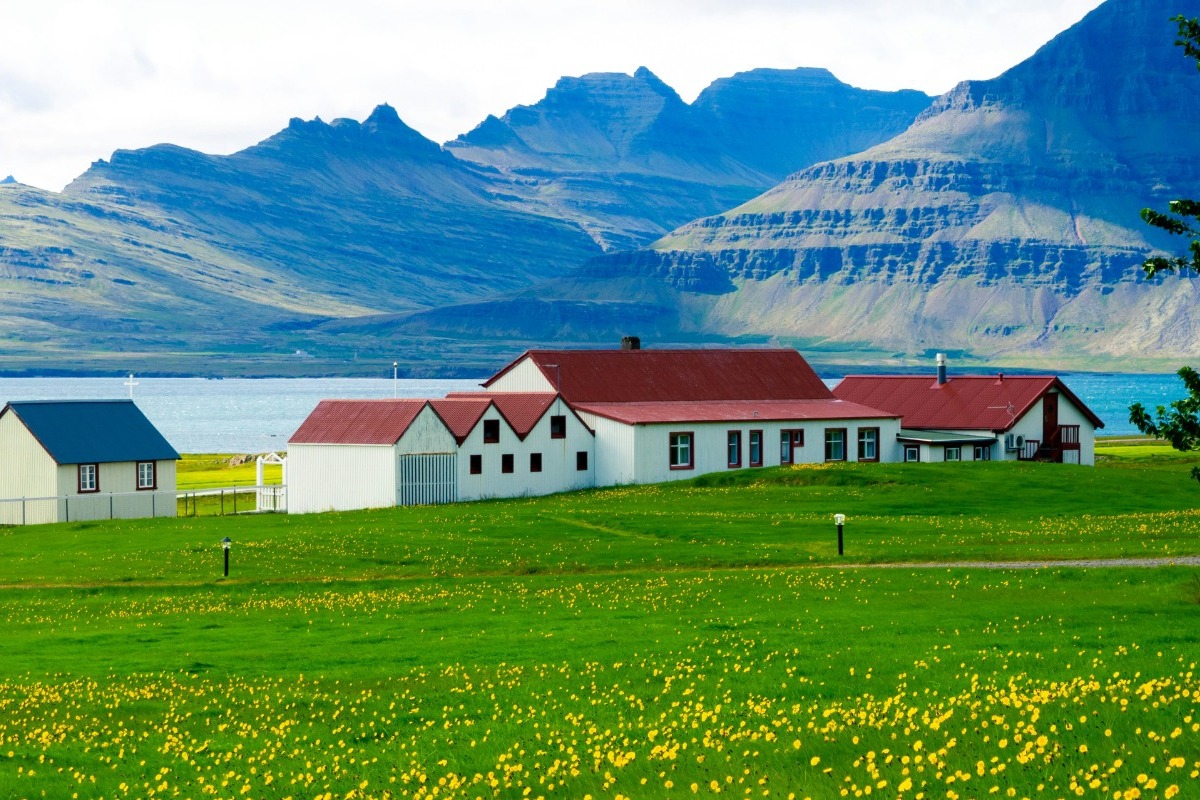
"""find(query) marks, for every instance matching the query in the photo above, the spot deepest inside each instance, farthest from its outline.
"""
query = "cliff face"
(628, 160)
(1003, 222)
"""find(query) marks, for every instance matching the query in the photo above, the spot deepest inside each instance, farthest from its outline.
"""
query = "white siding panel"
(427, 434)
(616, 445)
(26, 470)
(558, 459)
(524, 377)
(340, 477)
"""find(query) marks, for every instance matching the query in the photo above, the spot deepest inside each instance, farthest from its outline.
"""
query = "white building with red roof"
(555, 420)
(981, 417)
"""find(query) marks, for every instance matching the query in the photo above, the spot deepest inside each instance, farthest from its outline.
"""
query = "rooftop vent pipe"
(631, 343)
(941, 366)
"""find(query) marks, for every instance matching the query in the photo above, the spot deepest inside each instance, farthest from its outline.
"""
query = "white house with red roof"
(981, 417)
(555, 420)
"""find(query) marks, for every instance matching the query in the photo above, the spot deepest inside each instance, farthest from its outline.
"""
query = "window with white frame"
(681, 450)
(868, 444)
(912, 452)
(147, 475)
(983, 452)
(89, 478)
(835, 444)
(953, 453)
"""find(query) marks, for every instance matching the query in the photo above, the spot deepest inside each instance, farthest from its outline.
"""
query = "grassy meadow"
(689, 640)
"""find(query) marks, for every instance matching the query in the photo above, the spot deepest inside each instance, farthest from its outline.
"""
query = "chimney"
(941, 366)
(631, 343)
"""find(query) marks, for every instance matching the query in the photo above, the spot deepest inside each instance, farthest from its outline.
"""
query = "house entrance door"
(1051, 439)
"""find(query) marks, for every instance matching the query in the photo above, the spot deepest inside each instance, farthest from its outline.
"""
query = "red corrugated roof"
(460, 414)
(732, 411)
(968, 402)
(644, 376)
(521, 410)
(357, 422)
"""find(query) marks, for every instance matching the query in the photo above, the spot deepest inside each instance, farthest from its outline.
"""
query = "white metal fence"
(135, 505)
(426, 479)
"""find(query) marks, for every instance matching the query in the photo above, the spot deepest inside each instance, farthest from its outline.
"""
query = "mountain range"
(998, 221)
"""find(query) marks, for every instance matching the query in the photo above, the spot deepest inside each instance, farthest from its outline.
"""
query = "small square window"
(506, 462)
(581, 460)
(953, 454)
(147, 475)
(835, 444)
(535, 462)
(558, 426)
(912, 452)
(476, 465)
(680, 450)
(491, 431)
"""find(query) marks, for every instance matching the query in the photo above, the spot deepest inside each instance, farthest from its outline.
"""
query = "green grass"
(624, 642)
(213, 470)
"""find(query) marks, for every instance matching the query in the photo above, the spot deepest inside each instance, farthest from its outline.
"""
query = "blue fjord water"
(231, 415)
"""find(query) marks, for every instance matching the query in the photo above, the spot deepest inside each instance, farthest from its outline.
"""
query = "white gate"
(426, 479)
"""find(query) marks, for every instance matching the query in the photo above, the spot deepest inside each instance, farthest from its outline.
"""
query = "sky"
(80, 79)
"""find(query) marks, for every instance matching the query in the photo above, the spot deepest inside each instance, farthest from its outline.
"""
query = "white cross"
(130, 383)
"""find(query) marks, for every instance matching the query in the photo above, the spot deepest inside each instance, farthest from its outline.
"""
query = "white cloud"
(80, 79)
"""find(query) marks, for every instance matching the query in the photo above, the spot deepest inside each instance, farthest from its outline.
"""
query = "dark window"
(89, 478)
(735, 449)
(477, 465)
(581, 460)
(147, 475)
(835, 444)
(912, 452)
(868, 444)
(558, 426)
(790, 443)
(491, 431)
(506, 462)
(680, 450)
(535, 462)
(756, 448)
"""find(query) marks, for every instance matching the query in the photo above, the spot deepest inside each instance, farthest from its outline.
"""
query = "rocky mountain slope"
(1003, 224)
(626, 158)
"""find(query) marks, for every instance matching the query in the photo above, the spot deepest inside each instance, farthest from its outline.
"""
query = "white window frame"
(681, 453)
(142, 485)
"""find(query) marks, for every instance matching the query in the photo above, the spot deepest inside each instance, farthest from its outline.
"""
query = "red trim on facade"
(95, 478)
(153, 476)
(691, 438)
(733, 439)
(860, 444)
(755, 462)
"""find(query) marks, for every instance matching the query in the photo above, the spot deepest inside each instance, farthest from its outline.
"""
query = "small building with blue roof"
(71, 460)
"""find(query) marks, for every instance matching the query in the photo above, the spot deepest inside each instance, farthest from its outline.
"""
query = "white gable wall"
(27, 471)
(523, 377)
(426, 434)
(340, 477)
(558, 459)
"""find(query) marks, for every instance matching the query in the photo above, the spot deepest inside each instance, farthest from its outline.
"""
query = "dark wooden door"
(1050, 438)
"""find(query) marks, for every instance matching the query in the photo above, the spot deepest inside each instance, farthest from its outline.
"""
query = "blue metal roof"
(92, 431)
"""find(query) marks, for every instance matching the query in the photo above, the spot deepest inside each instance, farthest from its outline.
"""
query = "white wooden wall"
(558, 459)
(340, 477)
(26, 470)
(525, 377)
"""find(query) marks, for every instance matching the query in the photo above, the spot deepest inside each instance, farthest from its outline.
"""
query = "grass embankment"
(661, 641)
(216, 470)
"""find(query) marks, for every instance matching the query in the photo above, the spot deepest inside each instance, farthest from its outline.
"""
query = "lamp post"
(839, 520)
(395, 377)
(225, 543)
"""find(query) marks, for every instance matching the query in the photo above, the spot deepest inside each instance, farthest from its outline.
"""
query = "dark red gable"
(657, 376)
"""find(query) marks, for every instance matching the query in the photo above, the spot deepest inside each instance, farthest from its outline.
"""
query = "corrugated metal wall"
(427, 479)
(524, 377)
(333, 477)
(27, 471)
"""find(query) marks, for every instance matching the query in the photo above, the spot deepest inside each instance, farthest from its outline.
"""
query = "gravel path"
(1084, 563)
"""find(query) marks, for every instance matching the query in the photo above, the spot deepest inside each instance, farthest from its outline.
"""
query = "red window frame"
(153, 476)
(491, 431)
(581, 460)
(558, 426)
(506, 463)
(535, 462)
(795, 438)
(733, 445)
(756, 435)
(95, 478)
(861, 431)
(691, 450)
(476, 464)
(828, 444)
